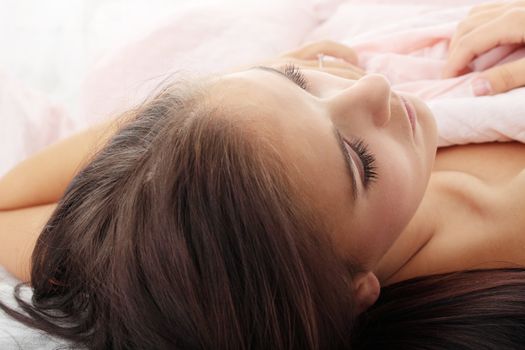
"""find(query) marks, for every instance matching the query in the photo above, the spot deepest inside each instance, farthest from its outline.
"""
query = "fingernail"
(481, 87)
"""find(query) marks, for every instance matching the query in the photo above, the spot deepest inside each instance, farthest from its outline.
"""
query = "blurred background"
(66, 65)
(50, 45)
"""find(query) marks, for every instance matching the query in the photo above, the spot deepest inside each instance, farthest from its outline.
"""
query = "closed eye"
(291, 72)
(294, 73)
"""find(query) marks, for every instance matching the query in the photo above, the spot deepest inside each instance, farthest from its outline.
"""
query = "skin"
(467, 215)
(32, 188)
(488, 26)
(426, 213)
(422, 215)
(364, 229)
(475, 199)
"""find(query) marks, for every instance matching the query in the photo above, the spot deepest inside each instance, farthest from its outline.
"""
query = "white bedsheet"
(14, 335)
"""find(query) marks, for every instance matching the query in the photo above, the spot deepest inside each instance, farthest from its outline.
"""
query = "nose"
(369, 96)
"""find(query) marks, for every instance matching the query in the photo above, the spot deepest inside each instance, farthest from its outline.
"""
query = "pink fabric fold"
(404, 40)
(29, 121)
(407, 41)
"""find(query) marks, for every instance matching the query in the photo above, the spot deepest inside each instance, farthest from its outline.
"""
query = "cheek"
(395, 201)
(398, 204)
(401, 194)
(392, 203)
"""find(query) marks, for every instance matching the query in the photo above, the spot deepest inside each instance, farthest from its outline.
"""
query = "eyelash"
(368, 159)
(294, 73)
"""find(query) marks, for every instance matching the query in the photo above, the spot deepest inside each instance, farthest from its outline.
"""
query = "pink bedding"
(404, 40)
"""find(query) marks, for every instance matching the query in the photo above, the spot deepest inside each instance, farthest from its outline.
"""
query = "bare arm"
(19, 230)
(43, 177)
(29, 192)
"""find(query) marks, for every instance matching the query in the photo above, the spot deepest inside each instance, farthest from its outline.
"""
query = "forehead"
(261, 92)
(274, 106)
(300, 128)
(264, 99)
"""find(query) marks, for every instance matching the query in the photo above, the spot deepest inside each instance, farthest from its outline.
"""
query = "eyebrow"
(337, 134)
(274, 71)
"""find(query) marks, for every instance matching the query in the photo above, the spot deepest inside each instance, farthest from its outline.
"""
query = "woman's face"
(311, 127)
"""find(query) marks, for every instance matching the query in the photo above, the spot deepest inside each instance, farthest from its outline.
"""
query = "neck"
(452, 200)
(444, 194)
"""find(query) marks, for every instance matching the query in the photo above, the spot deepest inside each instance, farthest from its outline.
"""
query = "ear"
(366, 290)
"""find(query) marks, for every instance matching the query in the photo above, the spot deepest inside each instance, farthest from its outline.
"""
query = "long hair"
(188, 231)
(468, 310)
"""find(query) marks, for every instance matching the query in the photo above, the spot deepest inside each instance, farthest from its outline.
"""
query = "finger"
(326, 47)
(486, 7)
(337, 63)
(504, 30)
(331, 63)
(344, 73)
(470, 23)
(334, 66)
(500, 6)
(500, 78)
(480, 15)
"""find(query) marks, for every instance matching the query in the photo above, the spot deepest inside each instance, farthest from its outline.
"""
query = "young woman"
(259, 209)
(190, 230)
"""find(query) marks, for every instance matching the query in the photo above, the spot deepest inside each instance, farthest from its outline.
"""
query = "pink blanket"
(404, 40)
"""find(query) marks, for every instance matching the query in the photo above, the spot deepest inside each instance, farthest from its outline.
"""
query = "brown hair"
(469, 310)
(187, 231)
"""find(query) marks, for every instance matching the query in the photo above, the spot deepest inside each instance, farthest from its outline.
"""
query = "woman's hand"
(343, 62)
(337, 59)
(487, 26)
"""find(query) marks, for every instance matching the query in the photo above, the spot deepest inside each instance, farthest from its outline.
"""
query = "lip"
(410, 112)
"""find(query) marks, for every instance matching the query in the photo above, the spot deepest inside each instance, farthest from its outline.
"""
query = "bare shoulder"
(488, 176)
(462, 206)
(493, 163)
(478, 194)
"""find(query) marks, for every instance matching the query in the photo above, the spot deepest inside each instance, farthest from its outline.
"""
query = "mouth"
(410, 112)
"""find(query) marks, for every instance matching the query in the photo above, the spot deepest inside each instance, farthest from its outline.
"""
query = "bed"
(404, 40)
